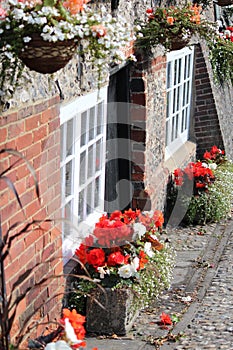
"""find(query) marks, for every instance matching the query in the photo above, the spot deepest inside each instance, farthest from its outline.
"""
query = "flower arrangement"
(121, 246)
(203, 189)
(57, 21)
(215, 155)
(200, 173)
(221, 59)
(170, 25)
(125, 251)
(71, 332)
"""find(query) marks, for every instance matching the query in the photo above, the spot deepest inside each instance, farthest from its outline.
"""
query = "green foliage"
(171, 24)
(221, 59)
(211, 206)
(156, 277)
(153, 280)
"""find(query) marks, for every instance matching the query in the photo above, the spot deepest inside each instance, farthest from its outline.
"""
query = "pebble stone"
(212, 326)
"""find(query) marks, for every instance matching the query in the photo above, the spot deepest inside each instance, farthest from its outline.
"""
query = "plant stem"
(4, 309)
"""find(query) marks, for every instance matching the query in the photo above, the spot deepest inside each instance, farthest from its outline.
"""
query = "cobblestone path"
(212, 326)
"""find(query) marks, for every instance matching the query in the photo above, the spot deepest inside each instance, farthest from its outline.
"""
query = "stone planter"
(118, 314)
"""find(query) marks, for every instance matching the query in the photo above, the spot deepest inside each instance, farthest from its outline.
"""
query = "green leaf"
(50, 3)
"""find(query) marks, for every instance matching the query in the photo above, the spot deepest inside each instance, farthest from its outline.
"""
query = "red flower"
(142, 259)
(165, 319)
(158, 218)
(149, 10)
(116, 258)
(116, 215)
(81, 253)
(96, 257)
(77, 321)
(130, 215)
(207, 155)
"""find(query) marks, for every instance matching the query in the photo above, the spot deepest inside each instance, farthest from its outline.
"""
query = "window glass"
(180, 67)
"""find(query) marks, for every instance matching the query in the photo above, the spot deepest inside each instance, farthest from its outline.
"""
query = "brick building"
(96, 151)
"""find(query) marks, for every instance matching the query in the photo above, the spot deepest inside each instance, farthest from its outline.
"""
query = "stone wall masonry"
(148, 116)
(35, 132)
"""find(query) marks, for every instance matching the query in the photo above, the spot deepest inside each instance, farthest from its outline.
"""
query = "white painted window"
(83, 139)
(179, 93)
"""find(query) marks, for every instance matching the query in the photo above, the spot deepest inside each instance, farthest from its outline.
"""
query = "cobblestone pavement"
(201, 296)
(212, 325)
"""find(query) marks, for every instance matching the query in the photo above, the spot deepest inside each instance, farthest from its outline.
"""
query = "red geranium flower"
(81, 253)
(158, 218)
(142, 259)
(165, 319)
(96, 257)
(76, 320)
(116, 258)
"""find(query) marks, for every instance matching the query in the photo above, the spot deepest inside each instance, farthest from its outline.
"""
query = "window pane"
(90, 204)
(90, 161)
(98, 160)
(179, 70)
(187, 92)
(169, 75)
(97, 192)
(69, 177)
(81, 206)
(92, 123)
(83, 128)
(82, 172)
(69, 137)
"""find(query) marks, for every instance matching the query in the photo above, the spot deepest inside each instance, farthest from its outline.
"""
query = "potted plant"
(125, 257)
(221, 59)
(172, 27)
(45, 34)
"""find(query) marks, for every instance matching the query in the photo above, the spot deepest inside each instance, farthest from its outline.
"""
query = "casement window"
(83, 139)
(179, 93)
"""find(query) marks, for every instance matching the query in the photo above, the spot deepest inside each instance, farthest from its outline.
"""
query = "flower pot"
(224, 2)
(47, 57)
(178, 43)
(117, 314)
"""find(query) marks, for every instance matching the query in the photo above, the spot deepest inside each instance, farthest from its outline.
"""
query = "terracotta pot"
(47, 57)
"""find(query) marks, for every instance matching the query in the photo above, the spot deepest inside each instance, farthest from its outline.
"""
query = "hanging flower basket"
(179, 42)
(47, 57)
(225, 2)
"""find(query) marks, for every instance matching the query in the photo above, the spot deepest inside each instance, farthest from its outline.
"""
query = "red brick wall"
(34, 131)
(206, 124)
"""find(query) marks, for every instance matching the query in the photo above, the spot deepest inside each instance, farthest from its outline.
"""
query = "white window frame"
(179, 96)
(74, 230)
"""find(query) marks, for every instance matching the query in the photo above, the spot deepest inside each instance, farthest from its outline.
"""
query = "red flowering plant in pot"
(121, 246)
(202, 191)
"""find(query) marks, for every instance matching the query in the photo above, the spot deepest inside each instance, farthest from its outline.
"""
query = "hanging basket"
(47, 57)
(225, 2)
(178, 43)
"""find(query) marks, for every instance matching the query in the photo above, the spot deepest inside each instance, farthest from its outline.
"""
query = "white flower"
(26, 39)
(204, 165)
(59, 345)
(213, 166)
(70, 333)
(126, 271)
(103, 271)
(135, 264)
(148, 250)
(139, 230)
